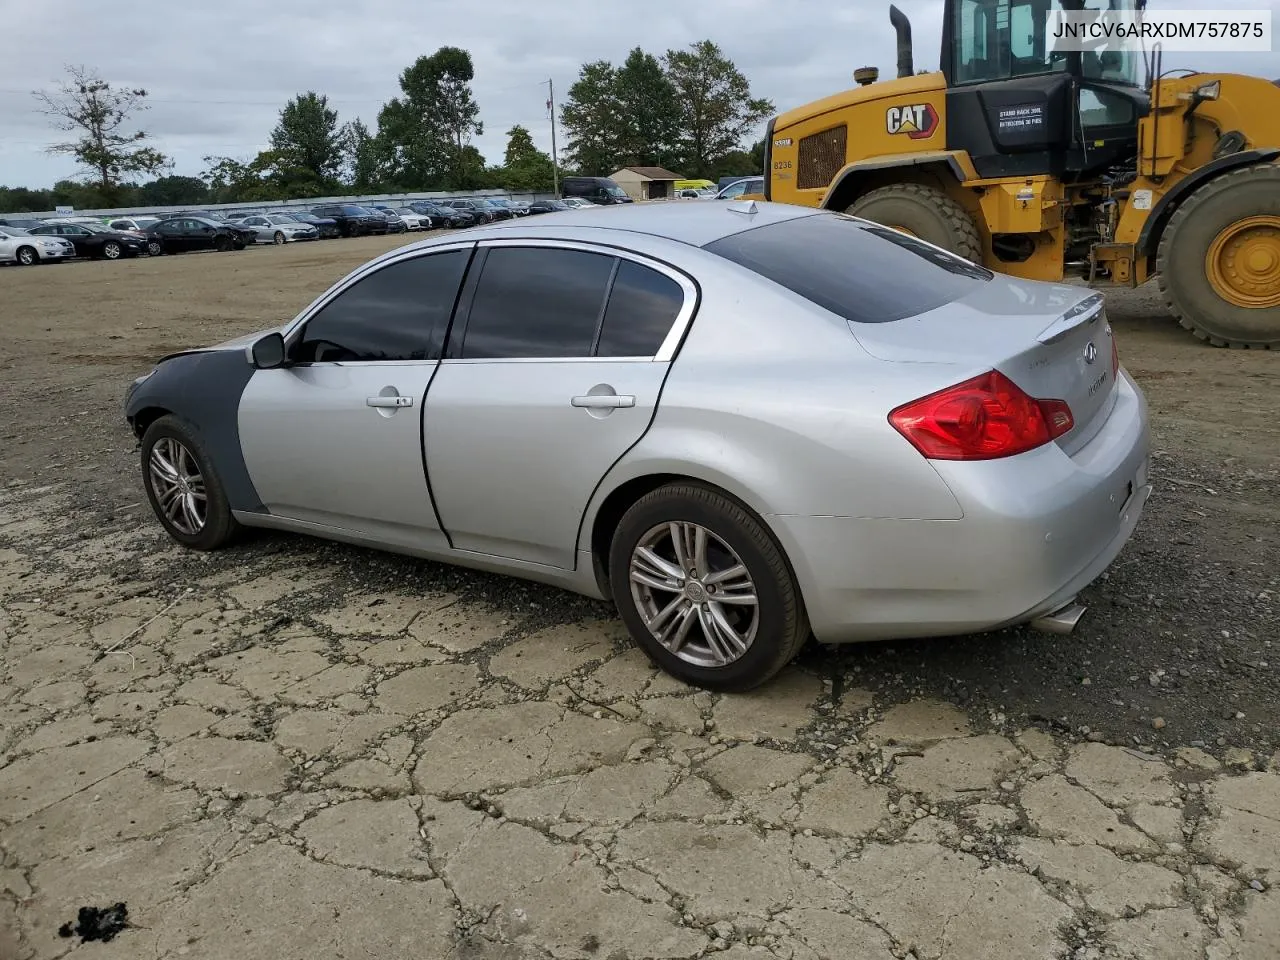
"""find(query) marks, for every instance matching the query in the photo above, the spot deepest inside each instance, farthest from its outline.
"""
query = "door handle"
(603, 401)
(393, 401)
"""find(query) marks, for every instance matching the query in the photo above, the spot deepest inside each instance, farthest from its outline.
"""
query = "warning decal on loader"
(917, 121)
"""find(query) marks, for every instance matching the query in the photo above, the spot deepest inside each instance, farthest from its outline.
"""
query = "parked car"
(443, 216)
(959, 450)
(185, 234)
(485, 212)
(599, 190)
(327, 226)
(279, 230)
(138, 225)
(517, 209)
(94, 239)
(20, 223)
(549, 206)
(413, 219)
(394, 223)
(578, 203)
(739, 187)
(352, 220)
(26, 250)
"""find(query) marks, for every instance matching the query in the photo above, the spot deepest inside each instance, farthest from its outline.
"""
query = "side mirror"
(267, 352)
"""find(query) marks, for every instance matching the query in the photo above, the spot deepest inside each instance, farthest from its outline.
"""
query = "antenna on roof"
(743, 206)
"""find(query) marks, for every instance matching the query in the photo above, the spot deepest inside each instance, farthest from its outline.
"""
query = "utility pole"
(555, 159)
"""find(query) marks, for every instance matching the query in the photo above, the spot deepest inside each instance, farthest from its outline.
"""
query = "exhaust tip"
(1061, 622)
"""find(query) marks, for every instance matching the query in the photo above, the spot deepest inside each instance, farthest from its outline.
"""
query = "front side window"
(860, 271)
(537, 302)
(389, 315)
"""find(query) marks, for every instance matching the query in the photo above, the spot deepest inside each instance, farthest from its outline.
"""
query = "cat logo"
(917, 121)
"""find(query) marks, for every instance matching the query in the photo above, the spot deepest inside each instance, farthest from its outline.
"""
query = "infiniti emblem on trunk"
(1090, 353)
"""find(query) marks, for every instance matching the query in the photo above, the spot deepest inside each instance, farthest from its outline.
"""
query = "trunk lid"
(1052, 340)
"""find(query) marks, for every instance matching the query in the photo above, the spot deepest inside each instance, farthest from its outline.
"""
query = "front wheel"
(183, 488)
(112, 250)
(277, 238)
(1219, 259)
(925, 212)
(27, 257)
(705, 590)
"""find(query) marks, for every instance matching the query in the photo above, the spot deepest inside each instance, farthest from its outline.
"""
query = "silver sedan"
(277, 230)
(26, 249)
(743, 424)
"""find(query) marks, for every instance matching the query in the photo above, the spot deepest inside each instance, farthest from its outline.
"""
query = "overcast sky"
(219, 72)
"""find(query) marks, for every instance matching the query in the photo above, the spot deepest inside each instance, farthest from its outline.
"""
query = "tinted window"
(537, 302)
(355, 211)
(389, 315)
(642, 307)
(862, 272)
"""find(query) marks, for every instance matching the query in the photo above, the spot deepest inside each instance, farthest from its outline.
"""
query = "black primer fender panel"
(204, 389)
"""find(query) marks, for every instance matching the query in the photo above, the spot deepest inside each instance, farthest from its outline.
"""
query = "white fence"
(390, 199)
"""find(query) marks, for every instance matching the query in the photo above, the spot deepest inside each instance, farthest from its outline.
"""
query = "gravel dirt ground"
(299, 749)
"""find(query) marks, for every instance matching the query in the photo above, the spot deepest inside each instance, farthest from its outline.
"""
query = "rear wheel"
(1219, 259)
(925, 212)
(154, 248)
(705, 590)
(183, 487)
(27, 257)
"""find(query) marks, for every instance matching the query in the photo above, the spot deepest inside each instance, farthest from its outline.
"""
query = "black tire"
(222, 244)
(1182, 267)
(782, 627)
(26, 257)
(219, 527)
(928, 212)
(112, 250)
(277, 238)
(154, 248)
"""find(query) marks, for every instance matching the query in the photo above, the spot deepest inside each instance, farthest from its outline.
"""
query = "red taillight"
(1115, 355)
(984, 418)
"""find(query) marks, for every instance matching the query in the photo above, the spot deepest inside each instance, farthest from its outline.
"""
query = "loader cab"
(1021, 106)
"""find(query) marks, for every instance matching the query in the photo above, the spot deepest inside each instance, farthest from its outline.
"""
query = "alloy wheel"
(694, 594)
(178, 486)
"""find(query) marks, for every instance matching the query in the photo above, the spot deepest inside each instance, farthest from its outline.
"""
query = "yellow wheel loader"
(1044, 164)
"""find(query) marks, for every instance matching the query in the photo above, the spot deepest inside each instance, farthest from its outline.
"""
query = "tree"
(592, 117)
(716, 106)
(90, 105)
(173, 191)
(364, 160)
(525, 167)
(649, 112)
(425, 132)
(308, 137)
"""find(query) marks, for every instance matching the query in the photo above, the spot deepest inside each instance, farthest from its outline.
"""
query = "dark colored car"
(22, 223)
(485, 212)
(352, 220)
(547, 206)
(94, 240)
(442, 216)
(327, 226)
(394, 223)
(517, 209)
(599, 190)
(184, 234)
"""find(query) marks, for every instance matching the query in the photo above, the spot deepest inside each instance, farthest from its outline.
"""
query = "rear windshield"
(861, 271)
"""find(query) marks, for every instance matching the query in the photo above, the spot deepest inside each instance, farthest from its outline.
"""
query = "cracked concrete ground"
(282, 763)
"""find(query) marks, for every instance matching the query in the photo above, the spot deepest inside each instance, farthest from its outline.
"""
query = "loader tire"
(1219, 259)
(924, 211)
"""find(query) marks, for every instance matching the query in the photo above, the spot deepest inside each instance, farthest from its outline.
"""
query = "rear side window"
(643, 305)
(388, 315)
(862, 272)
(537, 302)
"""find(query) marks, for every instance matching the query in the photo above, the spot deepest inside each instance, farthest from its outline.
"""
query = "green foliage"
(423, 135)
(173, 191)
(525, 167)
(649, 118)
(716, 106)
(89, 105)
(364, 158)
(308, 138)
(591, 116)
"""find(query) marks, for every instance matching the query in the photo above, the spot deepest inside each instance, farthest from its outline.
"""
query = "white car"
(412, 219)
(274, 229)
(577, 203)
(24, 249)
(139, 225)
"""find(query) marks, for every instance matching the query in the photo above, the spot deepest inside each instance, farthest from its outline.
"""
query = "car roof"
(694, 224)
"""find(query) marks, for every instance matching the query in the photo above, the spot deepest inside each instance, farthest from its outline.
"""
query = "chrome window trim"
(670, 344)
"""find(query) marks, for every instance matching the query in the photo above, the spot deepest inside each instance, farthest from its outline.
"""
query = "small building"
(646, 183)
